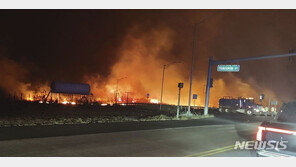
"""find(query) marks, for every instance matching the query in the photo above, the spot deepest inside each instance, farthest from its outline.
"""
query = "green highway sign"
(228, 68)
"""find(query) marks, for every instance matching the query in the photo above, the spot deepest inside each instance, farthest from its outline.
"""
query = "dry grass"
(29, 114)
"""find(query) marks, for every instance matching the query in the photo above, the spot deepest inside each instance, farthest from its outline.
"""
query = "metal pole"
(252, 58)
(208, 86)
(178, 108)
(116, 93)
(162, 82)
(127, 98)
(269, 101)
(192, 68)
(162, 87)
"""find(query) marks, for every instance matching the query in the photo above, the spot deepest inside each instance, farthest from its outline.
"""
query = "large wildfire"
(137, 65)
(138, 72)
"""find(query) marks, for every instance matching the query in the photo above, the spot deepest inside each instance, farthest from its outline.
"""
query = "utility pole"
(117, 88)
(214, 62)
(127, 97)
(180, 86)
(192, 68)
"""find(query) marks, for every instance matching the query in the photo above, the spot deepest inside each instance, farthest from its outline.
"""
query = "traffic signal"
(262, 97)
(211, 82)
(180, 85)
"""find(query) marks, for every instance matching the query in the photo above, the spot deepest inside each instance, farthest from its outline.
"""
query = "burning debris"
(74, 94)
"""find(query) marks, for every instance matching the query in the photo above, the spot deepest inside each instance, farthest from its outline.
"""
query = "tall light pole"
(192, 68)
(162, 82)
(192, 61)
(117, 88)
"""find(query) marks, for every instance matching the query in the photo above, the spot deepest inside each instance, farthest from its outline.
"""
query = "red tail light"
(289, 132)
(261, 129)
(259, 136)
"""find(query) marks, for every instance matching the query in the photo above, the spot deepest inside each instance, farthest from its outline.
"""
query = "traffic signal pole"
(208, 86)
(213, 62)
(178, 107)
(180, 86)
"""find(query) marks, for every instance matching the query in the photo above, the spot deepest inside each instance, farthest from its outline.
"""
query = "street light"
(192, 68)
(192, 61)
(117, 88)
(164, 66)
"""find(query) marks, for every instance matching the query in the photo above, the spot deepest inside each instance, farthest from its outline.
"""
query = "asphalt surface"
(204, 137)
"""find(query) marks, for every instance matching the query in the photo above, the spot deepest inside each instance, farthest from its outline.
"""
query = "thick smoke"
(98, 47)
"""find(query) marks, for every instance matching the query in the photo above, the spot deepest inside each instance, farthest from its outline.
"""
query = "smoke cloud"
(101, 46)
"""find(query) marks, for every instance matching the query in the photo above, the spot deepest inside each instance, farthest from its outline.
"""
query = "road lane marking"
(211, 152)
(220, 127)
(221, 151)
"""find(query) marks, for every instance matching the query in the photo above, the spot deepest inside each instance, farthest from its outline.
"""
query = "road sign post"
(194, 98)
(148, 97)
(228, 68)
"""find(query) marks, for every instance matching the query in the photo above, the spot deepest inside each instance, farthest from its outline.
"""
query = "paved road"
(207, 137)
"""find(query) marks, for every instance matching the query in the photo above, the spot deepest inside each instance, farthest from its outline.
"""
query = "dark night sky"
(67, 44)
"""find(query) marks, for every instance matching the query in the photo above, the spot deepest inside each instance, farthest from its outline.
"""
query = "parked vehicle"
(281, 130)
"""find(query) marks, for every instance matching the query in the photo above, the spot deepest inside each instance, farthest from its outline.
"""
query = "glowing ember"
(29, 99)
(73, 103)
(154, 101)
(64, 102)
